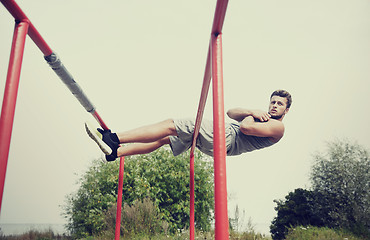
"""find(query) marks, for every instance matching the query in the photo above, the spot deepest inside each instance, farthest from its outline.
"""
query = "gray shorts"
(185, 130)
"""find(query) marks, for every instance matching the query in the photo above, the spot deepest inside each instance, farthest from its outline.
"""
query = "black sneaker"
(104, 140)
(111, 157)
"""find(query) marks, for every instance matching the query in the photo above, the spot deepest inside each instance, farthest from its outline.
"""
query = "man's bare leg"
(149, 134)
(141, 148)
(145, 139)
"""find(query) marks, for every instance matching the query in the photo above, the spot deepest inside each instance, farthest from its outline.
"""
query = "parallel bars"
(214, 62)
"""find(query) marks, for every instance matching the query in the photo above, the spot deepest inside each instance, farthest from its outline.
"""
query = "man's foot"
(104, 140)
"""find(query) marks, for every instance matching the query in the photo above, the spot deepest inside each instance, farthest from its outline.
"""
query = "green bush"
(314, 233)
(247, 236)
(35, 235)
(341, 177)
(141, 217)
(158, 176)
(339, 198)
(165, 179)
(298, 209)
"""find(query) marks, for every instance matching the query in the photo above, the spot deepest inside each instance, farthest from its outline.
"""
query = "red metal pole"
(100, 120)
(10, 98)
(7, 115)
(19, 15)
(119, 198)
(198, 121)
(219, 148)
(120, 182)
(218, 20)
(192, 198)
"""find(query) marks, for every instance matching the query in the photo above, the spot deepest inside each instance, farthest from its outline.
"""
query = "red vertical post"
(119, 198)
(192, 198)
(10, 98)
(120, 182)
(198, 121)
(219, 148)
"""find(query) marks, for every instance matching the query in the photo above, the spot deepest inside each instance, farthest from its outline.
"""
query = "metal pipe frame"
(19, 15)
(24, 27)
(219, 146)
(213, 70)
(10, 98)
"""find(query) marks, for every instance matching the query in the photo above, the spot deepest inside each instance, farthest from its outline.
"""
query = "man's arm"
(272, 128)
(239, 114)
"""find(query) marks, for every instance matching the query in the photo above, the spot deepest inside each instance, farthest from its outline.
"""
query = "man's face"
(278, 107)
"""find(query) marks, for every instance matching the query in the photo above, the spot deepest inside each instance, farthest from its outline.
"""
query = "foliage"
(237, 224)
(341, 180)
(314, 233)
(241, 230)
(85, 209)
(35, 235)
(297, 209)
(340, 196)
(139, 217)
(184, 235)
(165, 179)
(248, 236)
(158, 176)
(179, 235)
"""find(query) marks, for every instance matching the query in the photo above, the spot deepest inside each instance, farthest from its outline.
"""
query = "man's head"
(280, 102)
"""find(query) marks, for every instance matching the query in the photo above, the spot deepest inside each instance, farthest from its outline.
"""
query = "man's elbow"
(230, 113)
(247, 129)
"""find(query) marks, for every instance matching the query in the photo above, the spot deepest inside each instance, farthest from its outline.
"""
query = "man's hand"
(273, 129)
(239, 114)
(261, 115)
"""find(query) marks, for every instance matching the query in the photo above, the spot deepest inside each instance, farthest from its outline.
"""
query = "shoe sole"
(97, 137)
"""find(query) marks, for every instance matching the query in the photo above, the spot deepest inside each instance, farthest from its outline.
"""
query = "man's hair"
(285, 94)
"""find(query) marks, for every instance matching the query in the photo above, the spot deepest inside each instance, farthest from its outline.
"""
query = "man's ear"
(286, 111)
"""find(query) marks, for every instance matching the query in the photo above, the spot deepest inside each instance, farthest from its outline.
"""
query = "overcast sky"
(143, 61)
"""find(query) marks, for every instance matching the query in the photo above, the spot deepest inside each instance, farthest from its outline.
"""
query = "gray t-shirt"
(236, 142)
(242, 143)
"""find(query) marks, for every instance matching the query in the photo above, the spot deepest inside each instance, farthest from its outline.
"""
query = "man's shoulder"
(278, 128)
(276, 123)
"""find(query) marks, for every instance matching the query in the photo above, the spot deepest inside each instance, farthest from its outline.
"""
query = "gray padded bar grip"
(67, 78)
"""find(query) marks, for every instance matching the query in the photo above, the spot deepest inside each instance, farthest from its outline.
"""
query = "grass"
(184, 235)
(323, 233)
(35, 235)
(298, 233)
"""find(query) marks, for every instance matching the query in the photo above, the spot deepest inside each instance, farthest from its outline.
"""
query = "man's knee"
(170, 126)
(164, 141)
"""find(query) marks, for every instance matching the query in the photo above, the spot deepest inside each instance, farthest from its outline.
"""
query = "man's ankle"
(114, 137)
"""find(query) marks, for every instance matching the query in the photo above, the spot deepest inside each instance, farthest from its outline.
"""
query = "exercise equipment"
(213, 70)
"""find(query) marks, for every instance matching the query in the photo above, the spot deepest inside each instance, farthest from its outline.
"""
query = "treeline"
(156, 198)
(339, 197)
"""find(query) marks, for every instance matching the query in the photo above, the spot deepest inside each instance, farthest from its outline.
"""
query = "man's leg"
(150, 138)
(149, 133)
(141, 148)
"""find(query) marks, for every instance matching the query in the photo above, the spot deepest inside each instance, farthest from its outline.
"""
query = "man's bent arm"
(272, 128)
(239, 114)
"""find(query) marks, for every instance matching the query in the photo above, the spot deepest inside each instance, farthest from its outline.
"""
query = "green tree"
(341, 180)
(297, 209)
(340, 196)
(158, 176)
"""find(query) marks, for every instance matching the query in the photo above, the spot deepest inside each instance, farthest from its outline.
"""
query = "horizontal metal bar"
(20, 16)
(58, 67)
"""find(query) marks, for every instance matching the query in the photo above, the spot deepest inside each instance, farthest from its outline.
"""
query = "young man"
(255, 129)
